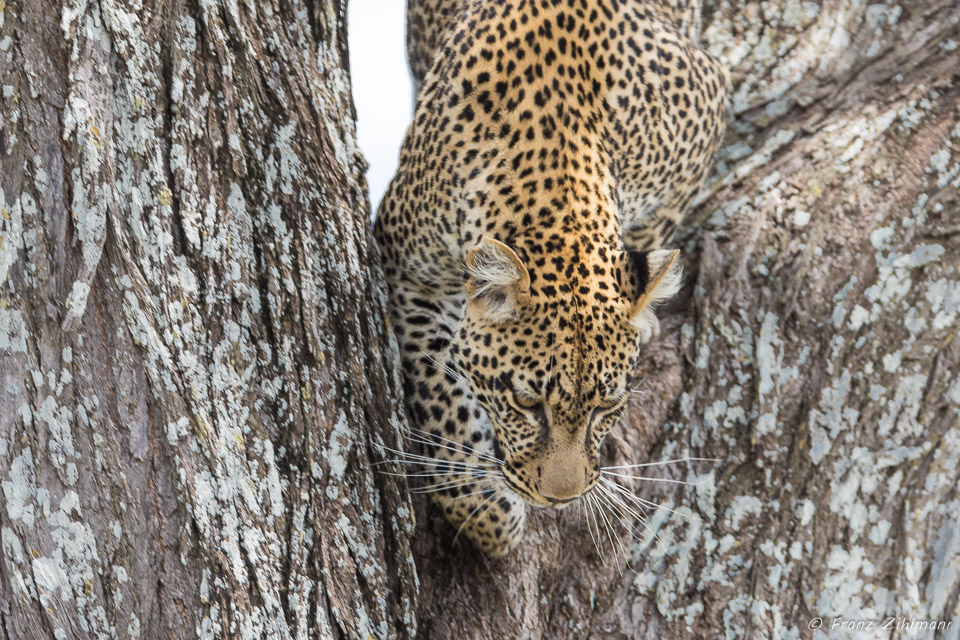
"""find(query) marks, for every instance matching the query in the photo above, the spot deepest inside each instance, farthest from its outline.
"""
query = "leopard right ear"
(497, 280)
(656, 277)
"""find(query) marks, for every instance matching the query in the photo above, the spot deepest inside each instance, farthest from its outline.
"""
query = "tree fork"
(195, 370)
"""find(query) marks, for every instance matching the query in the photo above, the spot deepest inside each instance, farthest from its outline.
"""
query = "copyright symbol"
(815, 624)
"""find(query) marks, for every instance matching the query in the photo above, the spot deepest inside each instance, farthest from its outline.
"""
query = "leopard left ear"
(657, 277)
(497, 279)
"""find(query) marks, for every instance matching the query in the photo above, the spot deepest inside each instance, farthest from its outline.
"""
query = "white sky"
(382, 91)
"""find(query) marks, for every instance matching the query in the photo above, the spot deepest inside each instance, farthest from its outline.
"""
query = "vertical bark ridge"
(195, 368)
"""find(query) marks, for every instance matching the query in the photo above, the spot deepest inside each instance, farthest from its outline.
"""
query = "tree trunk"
(194, 365)
(195, 370)
(813, 355)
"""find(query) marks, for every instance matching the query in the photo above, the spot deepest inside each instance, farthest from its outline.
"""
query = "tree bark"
(195, 370)
(814, 354)
(194, 365)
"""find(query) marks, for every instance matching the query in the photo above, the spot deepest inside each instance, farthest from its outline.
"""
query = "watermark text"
(891, 623)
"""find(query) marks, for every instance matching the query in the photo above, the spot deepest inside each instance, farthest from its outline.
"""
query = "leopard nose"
(562, 479)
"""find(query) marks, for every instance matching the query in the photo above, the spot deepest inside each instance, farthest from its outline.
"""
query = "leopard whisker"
(473, 513)
(596, 521)
(417, 440)
(419, 459)
(620, 511)
(447, 484)
(660, 506)
(437, 462)
(436, 469)
(443, 477)
(647, 479)
(465, 451)
(475, 493)
(646, 502)
(466, 448)
(445, 367)
(624, 493)
(662, 462)
(431, 438)
(619, 504)
(642, 516)
(598, 500)
(618, 507)
(589, 513)
(436, 489)
(615, 508)
(443, 472)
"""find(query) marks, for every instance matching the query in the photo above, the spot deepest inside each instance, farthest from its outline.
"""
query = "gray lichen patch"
(187, 308)
(821, 337)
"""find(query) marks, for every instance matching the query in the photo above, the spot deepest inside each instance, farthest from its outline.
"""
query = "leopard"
(554, 148)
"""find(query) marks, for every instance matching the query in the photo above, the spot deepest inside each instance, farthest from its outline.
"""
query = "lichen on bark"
(195, 367)
(195, 370)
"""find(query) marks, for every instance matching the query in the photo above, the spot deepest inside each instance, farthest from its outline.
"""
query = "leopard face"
(550, 363)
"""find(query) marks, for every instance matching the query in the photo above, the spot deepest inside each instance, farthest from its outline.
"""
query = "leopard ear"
(657, 277)
(497, 279)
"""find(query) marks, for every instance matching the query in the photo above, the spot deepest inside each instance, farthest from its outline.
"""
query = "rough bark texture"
(814, 354)
(194, 364)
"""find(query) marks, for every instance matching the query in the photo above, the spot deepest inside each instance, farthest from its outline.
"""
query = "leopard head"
(548, 345)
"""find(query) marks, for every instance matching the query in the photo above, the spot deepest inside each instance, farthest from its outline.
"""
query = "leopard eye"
(607, 406)
(610, 403)
(527, 402)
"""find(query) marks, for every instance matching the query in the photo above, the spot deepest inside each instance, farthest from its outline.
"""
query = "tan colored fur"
(554, 148)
